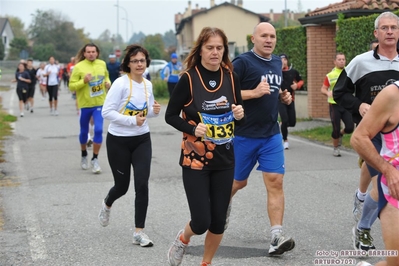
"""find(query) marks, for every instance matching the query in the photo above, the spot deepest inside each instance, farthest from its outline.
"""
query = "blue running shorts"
(268, 152)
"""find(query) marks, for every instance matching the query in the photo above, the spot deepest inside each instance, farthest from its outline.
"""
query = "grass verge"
(322, 135)
(5, 127)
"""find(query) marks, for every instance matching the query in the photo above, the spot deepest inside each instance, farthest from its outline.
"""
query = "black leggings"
(122, 153)
(208, 195)
(52, 92)
(338, 113)
(288, 117)
(171, 87)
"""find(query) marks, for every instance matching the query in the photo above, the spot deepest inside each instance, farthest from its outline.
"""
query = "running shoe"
(89, 143)
(95, 167)
(103, 217)
(56, 113)
(227, 216)
(22, 114)
(286, 145)
(176, 251)
(362, 239)
(204, 263)
(142, 239)
(280, 244)
(337, 152)
(357, 208)
(31, 110)
(83, 163)
(364, 263)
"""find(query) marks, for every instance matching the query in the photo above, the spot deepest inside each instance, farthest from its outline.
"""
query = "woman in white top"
(40, 74)
(129, 102)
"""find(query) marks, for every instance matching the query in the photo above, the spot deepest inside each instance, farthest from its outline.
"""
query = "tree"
(154, 43)
(154, 51)
(2, 51)
(169, 39)
(49, 27)
(18, 27)
(137, 37)
(42, 51)
(17, 46)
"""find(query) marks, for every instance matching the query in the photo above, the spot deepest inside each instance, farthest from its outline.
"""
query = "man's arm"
(343, 93)
(324, 88)
(75, 81)
(382, 116)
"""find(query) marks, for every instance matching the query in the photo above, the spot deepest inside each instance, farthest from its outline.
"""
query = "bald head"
(264, 39)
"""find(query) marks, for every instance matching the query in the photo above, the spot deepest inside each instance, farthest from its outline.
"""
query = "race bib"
(219, 128)
(132, 110)
(96, 88)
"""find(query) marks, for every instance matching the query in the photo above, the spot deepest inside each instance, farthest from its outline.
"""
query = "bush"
(160, 88)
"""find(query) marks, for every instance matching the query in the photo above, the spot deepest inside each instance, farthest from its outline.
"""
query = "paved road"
(50, 205)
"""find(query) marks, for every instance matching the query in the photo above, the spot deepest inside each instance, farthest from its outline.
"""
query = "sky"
(147, 16)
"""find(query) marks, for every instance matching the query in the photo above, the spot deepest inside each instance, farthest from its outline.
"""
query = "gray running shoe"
(83, 163)
(89, 143)
(104, 215)
(227, 216)
(362, 239)
(142, 239)
(364, 263)
(95, 167)
(357, 208)
(176, 251)
(337, 152)
(280, 244)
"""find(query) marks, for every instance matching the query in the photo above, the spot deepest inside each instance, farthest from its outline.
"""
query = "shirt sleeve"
(180, 96)
(326, 82)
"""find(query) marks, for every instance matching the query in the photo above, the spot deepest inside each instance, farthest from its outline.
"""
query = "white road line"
(35, 236)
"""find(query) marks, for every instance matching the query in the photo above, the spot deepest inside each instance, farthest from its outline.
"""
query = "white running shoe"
(83, 163)
(176, 251)
(337, 152)
(364, 263)
(286, 145)
(142, 239)
(95, 167)
(280, 244)
(103, 217)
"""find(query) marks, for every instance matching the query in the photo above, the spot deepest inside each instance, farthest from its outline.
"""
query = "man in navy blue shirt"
(113, 68)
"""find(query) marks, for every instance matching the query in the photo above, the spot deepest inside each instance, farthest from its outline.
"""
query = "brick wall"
(321, 51)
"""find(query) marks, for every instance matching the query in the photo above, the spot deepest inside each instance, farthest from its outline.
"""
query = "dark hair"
(337, 54)
(80, 56)
(30, 59)
(24, 64)
(130, 51)
(373, 42)
(194, 57)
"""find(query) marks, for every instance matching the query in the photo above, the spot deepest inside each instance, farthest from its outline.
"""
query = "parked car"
(156, 66)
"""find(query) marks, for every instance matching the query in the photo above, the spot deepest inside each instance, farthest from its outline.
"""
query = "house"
(232, 18)
(6, 34)
(321, 47)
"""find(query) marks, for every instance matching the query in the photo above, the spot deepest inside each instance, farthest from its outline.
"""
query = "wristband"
(193, 132)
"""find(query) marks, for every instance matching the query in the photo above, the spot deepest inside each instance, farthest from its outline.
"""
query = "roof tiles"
(355, 4)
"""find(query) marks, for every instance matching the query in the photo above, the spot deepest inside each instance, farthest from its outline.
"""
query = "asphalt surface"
(49, 205)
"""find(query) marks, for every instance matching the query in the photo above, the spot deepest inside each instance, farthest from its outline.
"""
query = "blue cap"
(174, 55)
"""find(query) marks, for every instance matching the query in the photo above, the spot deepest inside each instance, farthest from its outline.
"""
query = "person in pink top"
(383, 118)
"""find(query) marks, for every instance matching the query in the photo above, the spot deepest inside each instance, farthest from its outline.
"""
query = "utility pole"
(117, 23)
(285, 14)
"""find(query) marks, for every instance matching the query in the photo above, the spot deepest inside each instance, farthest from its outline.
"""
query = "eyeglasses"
(386, 28)
(135, 61)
